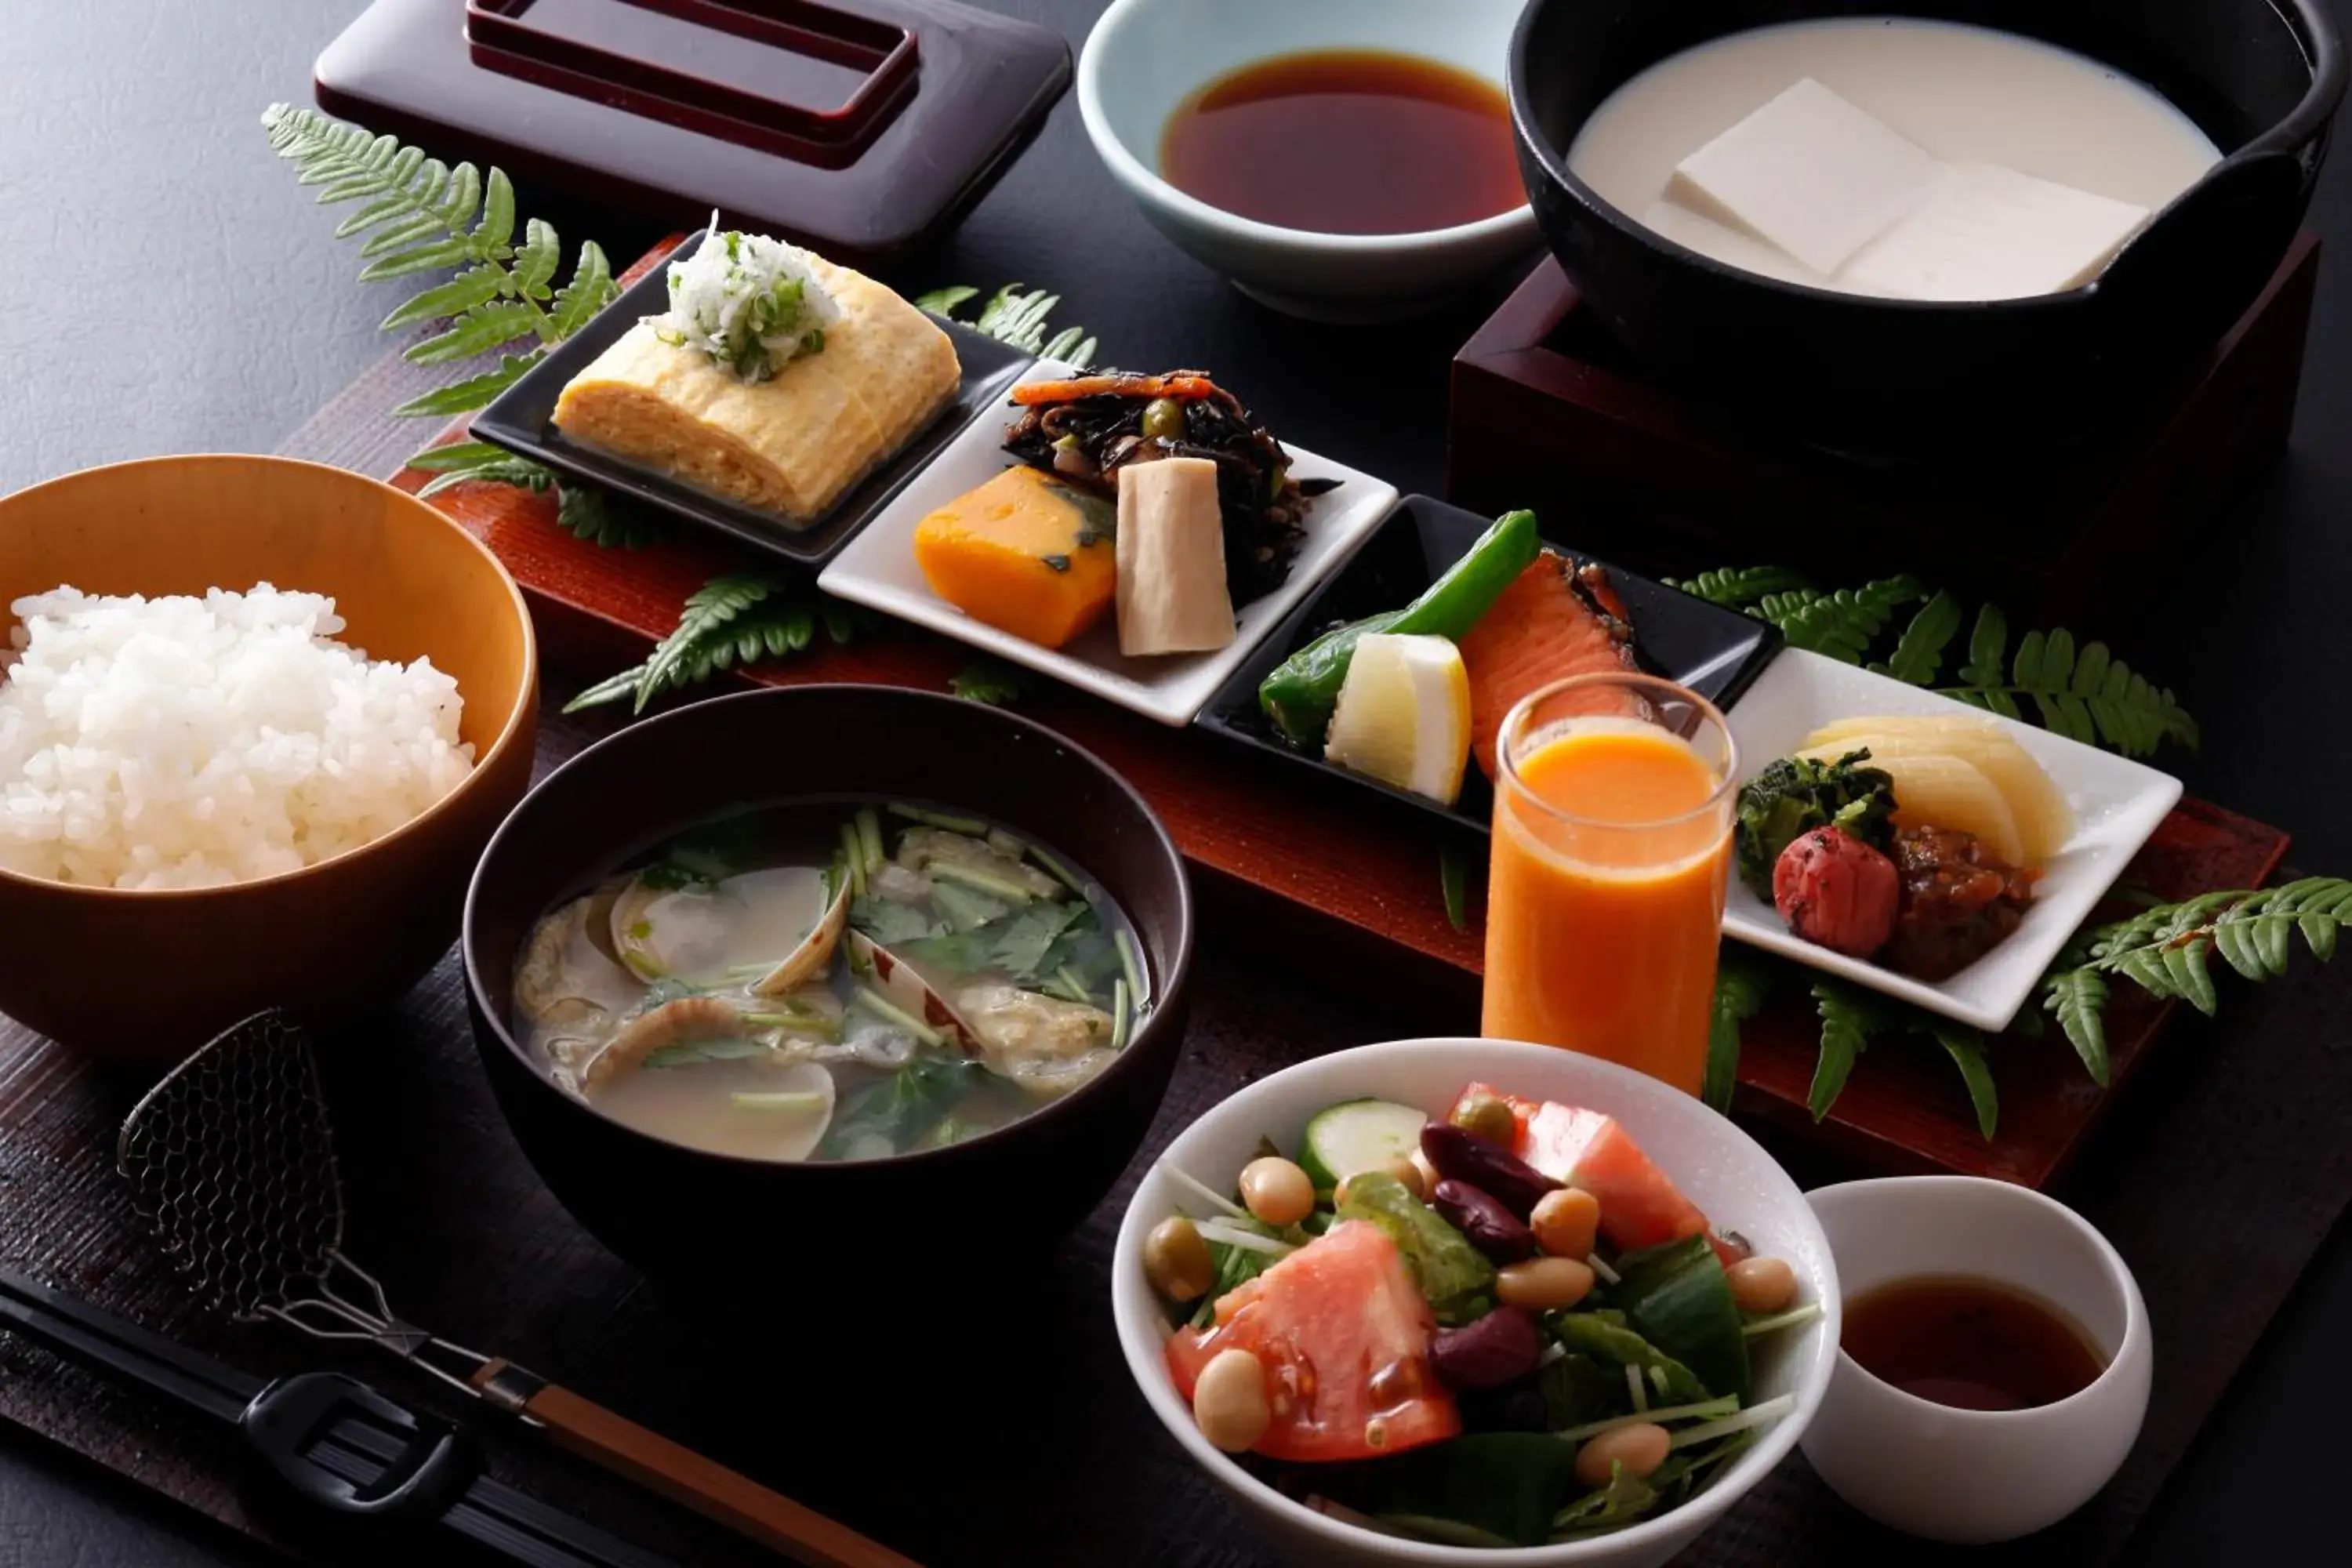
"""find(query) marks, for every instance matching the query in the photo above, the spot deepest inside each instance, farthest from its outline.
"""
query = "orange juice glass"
(1613, 841)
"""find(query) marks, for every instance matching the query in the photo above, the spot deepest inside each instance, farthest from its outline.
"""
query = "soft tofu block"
(1728, 245)
(1986, 232)
(1809, 172)
(1172, 597)
(1025, 552)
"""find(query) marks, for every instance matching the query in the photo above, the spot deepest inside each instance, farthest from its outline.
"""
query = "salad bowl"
(1717, 1166)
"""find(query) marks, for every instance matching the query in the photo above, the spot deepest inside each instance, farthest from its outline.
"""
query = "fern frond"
(422, 216)
(2079, 998)
(1013, 317)
(1966, 1046)
(1743, 983)
(729, 621)
(1850, 1016)
(989, 682)
(1840, 624)
(462, 462)
(596, 517)
(2089, 696)
(2167, 952)
(1919, 652)
(1735, 588)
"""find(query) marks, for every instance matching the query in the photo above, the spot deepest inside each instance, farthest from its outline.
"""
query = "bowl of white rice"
(257, 718)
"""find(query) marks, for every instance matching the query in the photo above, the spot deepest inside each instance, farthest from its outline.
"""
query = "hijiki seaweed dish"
(832, 981)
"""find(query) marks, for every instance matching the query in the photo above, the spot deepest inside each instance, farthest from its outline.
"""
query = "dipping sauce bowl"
(1974, 1476)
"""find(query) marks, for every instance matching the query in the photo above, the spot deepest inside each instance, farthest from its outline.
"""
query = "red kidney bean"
(1499, 1347)
(1503, 1176)
(1492, 1229)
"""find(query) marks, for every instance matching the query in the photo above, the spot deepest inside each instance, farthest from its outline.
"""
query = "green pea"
(1163, 418)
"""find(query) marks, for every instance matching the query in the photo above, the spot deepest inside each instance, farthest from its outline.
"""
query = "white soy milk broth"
(1962, 93)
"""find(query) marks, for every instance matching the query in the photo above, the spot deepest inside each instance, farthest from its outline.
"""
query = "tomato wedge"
(1640, 1205)
(1344, 1335)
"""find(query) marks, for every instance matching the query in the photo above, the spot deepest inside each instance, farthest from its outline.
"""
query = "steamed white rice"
(185, 743)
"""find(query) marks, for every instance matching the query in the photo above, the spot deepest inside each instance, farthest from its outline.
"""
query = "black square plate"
(1716, 652)
(519, 420)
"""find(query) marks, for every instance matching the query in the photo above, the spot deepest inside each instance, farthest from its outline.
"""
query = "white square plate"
(2118, 803)
(878, 570)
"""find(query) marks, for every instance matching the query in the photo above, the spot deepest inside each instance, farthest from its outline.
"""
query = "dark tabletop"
(172, 290)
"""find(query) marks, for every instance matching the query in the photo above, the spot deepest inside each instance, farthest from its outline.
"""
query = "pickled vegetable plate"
(878, 570)
(2115, 803)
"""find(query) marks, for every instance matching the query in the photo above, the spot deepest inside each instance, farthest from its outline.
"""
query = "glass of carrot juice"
(1613, 841)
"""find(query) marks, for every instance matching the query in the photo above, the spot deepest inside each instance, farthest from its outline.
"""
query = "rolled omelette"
(791, 445)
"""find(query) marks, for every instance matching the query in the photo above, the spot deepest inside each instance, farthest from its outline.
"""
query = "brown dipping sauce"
(1347, 142)
(1970, 1343)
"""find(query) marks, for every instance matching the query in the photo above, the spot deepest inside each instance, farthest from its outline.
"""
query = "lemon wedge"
(1404, 715)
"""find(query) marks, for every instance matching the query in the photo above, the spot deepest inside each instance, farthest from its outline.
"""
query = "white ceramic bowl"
(1973, 1475)
(1146, 56)
(1718, 1166)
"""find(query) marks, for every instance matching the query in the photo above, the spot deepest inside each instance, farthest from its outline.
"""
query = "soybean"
(1567, 1223)
(1177, 1261)
(1543, 1284)
(1276, 1190)
(1229, 1400)
(1762, 1284)
(1638, 1449)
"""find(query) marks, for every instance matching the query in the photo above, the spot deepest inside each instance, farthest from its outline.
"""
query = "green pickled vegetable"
(1301, 693)
(1793, 795)
(1444, 1262)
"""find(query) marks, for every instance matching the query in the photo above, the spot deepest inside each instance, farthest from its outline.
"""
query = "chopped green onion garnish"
(971, 827)
(1130, 961)
(806, 1022)
(980, 882)
(1056, 870)
(854, 849)
(776, 1100)
(1118, 1011)
(874, 1002)
(869, 835)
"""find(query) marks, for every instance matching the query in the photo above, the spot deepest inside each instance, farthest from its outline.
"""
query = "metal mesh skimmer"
(231, 1158)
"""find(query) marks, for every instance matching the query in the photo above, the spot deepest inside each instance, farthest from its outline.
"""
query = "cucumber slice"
(1358, 1135)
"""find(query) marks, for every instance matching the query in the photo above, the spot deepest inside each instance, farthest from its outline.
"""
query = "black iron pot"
(2263, 79)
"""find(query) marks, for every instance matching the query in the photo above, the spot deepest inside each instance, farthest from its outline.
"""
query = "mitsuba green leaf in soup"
(899, 1109)
(1444, 1262)
(889, 921)
(1490, 1488)
(1604, 1335)
(1677, 1296)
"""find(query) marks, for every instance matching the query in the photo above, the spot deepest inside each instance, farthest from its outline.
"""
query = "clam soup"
(835, 980)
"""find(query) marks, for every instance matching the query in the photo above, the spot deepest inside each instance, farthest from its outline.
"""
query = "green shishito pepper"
(1302, 692)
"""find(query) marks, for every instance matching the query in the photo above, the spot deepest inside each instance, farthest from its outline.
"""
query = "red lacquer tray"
(1337, 879)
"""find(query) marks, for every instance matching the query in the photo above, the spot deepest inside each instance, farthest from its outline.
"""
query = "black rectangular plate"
(519, 420)
(1716, 652)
